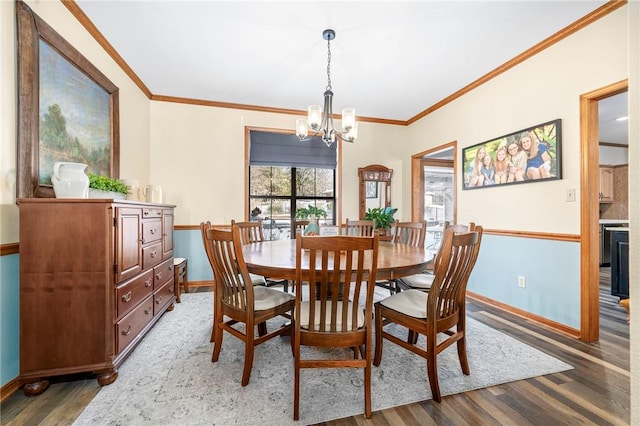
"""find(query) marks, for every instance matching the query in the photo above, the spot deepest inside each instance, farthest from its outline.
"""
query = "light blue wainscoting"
(9, 318)
(551, 269)
(188, 244)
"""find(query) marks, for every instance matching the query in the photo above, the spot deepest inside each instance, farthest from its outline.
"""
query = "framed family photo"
(526, 156)
(68, 109)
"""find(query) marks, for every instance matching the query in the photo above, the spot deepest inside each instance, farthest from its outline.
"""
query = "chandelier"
(320, 119)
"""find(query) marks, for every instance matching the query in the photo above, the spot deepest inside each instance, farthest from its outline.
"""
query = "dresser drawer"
(151, 230)
(133, 323)
(129, 294)
(151, 212)
(151, 255)
(162, 273)
(163, 296)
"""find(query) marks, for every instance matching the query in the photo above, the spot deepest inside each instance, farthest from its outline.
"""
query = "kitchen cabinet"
(606, 185)
(620, 262)
(605, 229)
(95, 276)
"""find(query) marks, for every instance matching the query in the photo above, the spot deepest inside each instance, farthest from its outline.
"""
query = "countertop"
(613, 221)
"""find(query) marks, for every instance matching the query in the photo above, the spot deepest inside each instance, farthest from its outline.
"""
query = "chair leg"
(378, 320)
(412, 337)
(367, 385)
(296, 386)
(286, 286)
(432, 368)
(248, 359)
(262, 329)
(217, 344)
(462, 355)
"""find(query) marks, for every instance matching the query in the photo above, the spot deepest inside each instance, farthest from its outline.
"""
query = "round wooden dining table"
(277, 259)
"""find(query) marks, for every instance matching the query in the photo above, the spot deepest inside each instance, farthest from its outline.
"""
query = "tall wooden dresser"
(95, 276)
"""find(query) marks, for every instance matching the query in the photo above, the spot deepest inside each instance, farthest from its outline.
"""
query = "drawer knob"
(159, 275)
(148, 310)
(148, 282)
(126, 297)
(127, 331)
(153, 231)
(159, 300)
(154, 254)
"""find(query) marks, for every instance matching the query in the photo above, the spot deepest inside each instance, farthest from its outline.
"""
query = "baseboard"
(205, 283)
(555, 326)
(10, 388)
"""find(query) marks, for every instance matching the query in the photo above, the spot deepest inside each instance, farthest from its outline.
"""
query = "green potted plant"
(382, 216)
(307, 212)
(106, 187)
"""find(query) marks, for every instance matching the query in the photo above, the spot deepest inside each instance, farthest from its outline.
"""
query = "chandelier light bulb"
(348, 118)
(302, 128)
(315, 116)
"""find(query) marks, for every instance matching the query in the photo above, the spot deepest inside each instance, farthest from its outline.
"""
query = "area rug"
(170, 380)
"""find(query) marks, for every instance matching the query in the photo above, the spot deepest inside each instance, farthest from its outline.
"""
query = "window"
(286, 174)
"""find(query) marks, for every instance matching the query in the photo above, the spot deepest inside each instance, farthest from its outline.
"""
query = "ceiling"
(391, 60)
(610, 110)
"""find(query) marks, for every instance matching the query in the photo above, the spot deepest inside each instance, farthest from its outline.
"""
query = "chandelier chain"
(329, 64)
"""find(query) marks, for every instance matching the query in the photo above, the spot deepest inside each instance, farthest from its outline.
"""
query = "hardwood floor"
(596, 391)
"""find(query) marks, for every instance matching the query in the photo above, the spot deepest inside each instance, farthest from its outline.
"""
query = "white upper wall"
(543, 88)
(198, 157)
(134, 105)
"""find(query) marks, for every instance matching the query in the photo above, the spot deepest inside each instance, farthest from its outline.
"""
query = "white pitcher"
(69, 180)
(134, 189)
(153, 193)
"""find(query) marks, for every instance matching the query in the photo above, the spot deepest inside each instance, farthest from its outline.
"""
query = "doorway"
(589, 209)
(433, 177)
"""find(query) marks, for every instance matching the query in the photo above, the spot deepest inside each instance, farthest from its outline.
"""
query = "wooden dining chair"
(424, 280)
(252, 232)
(298, 226)
(239, 301)
(359, 228)
(441, 311)
(338, 270)
(410, 233)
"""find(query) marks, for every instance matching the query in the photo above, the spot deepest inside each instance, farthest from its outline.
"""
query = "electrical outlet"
(522, 282)
(571, 195)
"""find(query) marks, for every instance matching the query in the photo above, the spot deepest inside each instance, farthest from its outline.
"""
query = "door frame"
(417, 181)
(590, 209)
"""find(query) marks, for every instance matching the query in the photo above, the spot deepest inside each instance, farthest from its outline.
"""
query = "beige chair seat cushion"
(257, 279)
(268, 298)
(304, 314)
(421, 281)
(411, 302)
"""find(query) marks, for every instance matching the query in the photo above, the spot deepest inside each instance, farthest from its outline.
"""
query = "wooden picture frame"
(35, 39)
(526, 156)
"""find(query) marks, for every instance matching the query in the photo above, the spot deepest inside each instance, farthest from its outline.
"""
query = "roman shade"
(280, 149)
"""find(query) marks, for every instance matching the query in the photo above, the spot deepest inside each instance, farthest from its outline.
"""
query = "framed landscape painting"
(526, 156)
(68, 110)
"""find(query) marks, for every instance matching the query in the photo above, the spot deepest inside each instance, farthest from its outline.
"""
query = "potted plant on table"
(106, 187)
(382, 217)
(309, 211)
